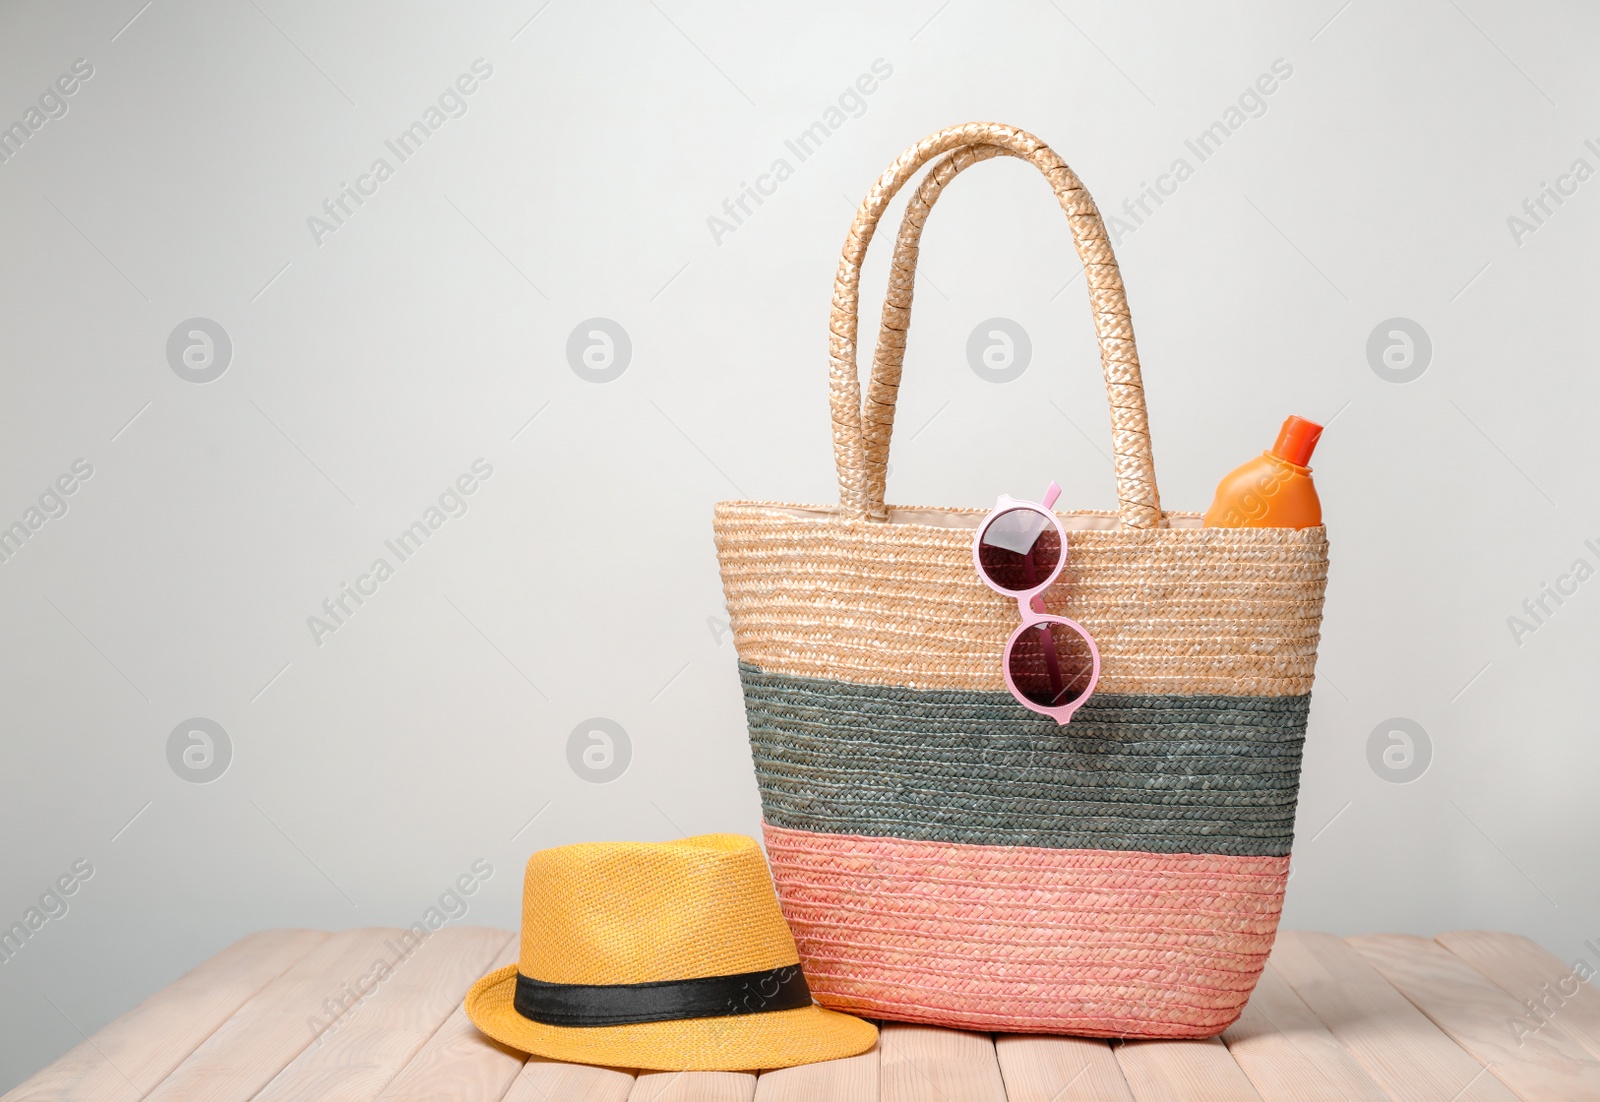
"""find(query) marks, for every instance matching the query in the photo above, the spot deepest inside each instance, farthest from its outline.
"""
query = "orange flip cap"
(1297, 440)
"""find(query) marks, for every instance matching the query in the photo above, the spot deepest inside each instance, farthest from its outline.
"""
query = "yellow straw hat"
(660, 955)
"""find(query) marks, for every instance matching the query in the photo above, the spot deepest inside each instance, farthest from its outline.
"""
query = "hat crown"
(639, 912)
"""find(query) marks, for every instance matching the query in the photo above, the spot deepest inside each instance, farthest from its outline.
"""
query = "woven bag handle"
(861, 438)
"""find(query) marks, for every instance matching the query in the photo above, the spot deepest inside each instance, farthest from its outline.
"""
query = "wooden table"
(1375, 1017)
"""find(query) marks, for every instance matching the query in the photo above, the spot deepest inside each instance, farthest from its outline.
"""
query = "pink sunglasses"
(1051, 663)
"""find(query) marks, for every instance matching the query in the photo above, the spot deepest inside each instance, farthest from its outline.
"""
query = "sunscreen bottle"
(1273, 490)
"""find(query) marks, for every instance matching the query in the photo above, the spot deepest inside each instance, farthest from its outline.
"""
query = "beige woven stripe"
(860, 441)
(1179, 609)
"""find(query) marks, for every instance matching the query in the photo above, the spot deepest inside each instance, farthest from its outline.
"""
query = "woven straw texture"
(1233, 611)
(630, 912)
(1024, 939)
(1158, 774)
(634, 912)
(943, 854)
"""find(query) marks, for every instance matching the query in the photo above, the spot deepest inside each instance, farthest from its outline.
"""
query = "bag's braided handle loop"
(861, 436)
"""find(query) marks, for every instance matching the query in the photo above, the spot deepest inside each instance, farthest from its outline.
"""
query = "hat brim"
(745, 1042)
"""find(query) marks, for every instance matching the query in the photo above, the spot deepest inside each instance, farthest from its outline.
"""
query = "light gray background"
(372, 369)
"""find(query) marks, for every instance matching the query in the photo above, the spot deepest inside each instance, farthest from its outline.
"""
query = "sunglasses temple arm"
(1056, 685)
(1052, 663)
(1050, 496)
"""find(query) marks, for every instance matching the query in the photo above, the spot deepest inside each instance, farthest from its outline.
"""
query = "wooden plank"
(947, 1065)
(460, 1064)
(547, 1081)
(130, 1056)
(1184, 1071)
(1329, 1020)
(1526, 972)
(1060, 1069)
(691, 1086)
(1544, 1066)
(414, 986)
(270, 1030)
(1289, 1054)
(853, 1079)
(1404, 1053)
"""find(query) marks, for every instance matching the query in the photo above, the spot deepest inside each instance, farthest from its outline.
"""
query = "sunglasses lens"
(1051, 664)
(1019, 549)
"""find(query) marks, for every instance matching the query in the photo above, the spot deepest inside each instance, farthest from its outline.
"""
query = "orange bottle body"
(1273, 490)
(1266, 492)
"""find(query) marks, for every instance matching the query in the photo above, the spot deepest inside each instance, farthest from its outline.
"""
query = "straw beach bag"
(945, 855)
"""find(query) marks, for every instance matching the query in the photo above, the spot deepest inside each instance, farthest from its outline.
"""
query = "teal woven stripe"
(1152, 774)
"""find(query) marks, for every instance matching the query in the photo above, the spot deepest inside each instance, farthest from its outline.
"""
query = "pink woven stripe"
(1015, 938)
